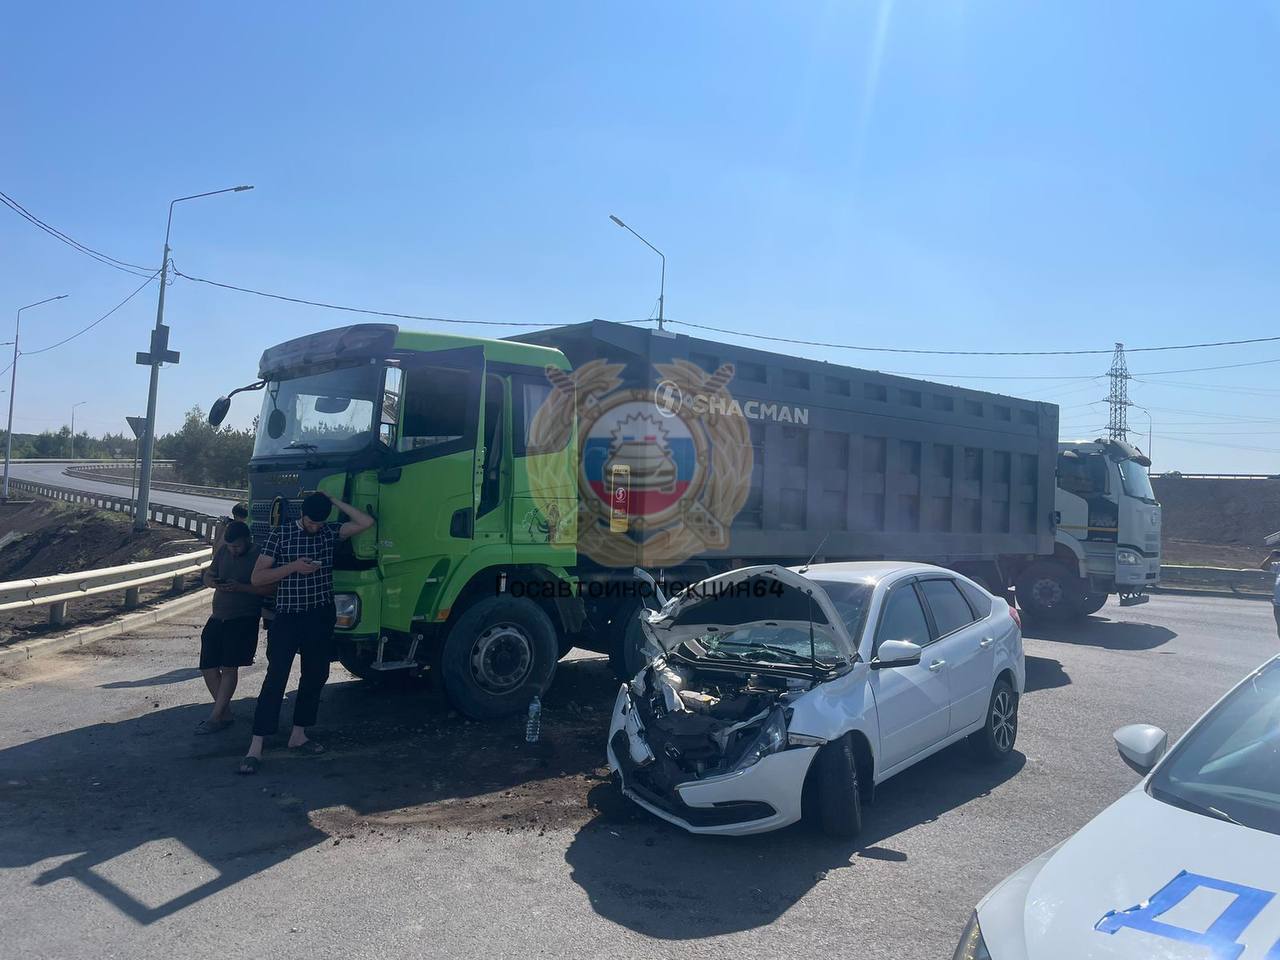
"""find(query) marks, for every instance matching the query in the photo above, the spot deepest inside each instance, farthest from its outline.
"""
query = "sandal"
(249, 765)
(308, 749)
(212, 726)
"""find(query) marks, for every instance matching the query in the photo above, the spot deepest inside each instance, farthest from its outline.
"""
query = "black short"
(228, 643)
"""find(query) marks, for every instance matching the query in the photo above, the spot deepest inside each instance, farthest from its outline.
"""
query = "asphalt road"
(120, 830)
(51, 473)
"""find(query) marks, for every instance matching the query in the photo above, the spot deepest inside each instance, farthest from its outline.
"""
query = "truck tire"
(1047, 592)
(839, 797)
(625, 657)
(498, 656)
(1093, 602)
(358, 665)
(995, 740)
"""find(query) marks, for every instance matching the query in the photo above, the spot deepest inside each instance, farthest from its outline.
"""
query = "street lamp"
(158, 354)
(1150, 426)
(662, 288)
(73, 426)
(13, 386)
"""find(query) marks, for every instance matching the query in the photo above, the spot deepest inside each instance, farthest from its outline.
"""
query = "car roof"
(863, 570)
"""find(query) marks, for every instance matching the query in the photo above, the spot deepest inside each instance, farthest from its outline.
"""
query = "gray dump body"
(880, 465)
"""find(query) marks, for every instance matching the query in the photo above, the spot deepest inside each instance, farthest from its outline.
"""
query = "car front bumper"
(764, 796)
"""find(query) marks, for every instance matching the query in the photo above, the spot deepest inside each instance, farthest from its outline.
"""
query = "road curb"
(45, 646)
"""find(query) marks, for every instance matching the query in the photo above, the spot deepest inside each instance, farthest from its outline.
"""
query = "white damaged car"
(773, 693)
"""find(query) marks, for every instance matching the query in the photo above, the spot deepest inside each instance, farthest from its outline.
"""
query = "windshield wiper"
(299, 445)
(1177, 800)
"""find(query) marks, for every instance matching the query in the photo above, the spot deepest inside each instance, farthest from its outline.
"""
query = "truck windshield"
(1228, 768)
(1133, 476)
(329, 412)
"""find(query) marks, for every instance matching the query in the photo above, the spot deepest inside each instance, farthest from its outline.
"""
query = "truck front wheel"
(499, 655)
(1048, 592)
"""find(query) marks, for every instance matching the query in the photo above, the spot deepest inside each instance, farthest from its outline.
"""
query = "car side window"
(903, 618)
(950, 609)
(981, 601)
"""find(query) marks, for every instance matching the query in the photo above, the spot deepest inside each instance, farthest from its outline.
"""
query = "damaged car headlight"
(771, 739)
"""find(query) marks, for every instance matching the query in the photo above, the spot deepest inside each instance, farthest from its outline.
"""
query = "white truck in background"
(1107, 538)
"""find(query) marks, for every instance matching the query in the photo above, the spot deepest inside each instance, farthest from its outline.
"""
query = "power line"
(28, 353)
(969, 353)
(57, 234)
(1225, 366)
(365, 310)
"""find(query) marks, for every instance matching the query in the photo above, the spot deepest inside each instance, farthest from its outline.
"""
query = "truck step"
(394, 665)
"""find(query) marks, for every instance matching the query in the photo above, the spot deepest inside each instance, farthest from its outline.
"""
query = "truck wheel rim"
(501, 658)
(1003, 720)
(1048, 592)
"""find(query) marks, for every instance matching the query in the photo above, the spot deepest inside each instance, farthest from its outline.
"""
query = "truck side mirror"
(218, 412)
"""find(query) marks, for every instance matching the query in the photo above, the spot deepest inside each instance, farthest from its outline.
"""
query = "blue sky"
(946, 175)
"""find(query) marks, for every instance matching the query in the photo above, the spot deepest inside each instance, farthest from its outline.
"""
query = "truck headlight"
(771, 738)
(1128, 558)
(347, 606)
(971, 945)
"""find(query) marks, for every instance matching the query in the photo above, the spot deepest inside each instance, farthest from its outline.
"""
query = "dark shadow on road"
(397, 760)
(173, 676)
(1044, 673)
(653, 878)
(1100, 632)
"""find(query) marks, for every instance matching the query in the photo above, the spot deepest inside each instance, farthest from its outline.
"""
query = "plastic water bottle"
(533, 726)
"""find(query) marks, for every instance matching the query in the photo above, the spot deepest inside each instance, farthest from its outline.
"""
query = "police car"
(1186, 866)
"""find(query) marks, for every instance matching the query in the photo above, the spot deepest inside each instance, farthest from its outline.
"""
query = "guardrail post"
(58, 613)
(131, 598)
(176, 586)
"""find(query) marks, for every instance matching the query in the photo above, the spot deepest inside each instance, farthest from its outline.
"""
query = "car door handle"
(937, 665)
(986, 642)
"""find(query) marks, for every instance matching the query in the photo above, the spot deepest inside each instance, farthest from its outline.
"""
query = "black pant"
(310, 634)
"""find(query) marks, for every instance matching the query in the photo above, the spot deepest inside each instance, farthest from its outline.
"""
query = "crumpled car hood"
(722, 598)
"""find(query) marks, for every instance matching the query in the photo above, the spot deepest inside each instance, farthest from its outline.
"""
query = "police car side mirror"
(1141, 745)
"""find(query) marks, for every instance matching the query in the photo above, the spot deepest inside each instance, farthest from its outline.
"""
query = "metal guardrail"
(1255, 583)
(202, 525)
(55, 591)
(99, 473)
(1215, 476)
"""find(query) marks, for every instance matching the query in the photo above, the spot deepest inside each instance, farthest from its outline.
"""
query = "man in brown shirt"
(230, 637)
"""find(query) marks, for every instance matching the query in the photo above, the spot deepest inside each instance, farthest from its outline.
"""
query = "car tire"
(838, 793)
(994, 742)
(1092, 603)
(625, 657)
(498, 656)
(1047, 593)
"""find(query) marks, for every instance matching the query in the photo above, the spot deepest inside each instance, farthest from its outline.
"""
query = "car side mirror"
(1141, 745)
(896, 653)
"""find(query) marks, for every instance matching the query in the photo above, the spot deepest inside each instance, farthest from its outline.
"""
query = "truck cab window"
(1083, 476)
(436, 400)
(491, 482)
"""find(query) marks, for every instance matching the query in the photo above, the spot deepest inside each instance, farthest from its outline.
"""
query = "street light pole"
(662, 287)
(73, 426)
(13, 386)
(158, 354)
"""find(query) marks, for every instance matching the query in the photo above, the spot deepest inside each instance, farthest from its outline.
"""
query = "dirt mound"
(1217, 522)
(45, 537)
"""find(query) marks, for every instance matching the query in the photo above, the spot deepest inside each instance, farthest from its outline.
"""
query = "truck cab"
(431, 435)
(1108, 525)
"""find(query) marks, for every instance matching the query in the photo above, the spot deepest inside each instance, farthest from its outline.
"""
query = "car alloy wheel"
(1004, 720)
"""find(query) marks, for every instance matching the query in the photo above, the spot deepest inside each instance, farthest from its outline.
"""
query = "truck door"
(427, 497)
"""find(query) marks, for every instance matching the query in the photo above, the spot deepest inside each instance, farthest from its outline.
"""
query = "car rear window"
(950, 609)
